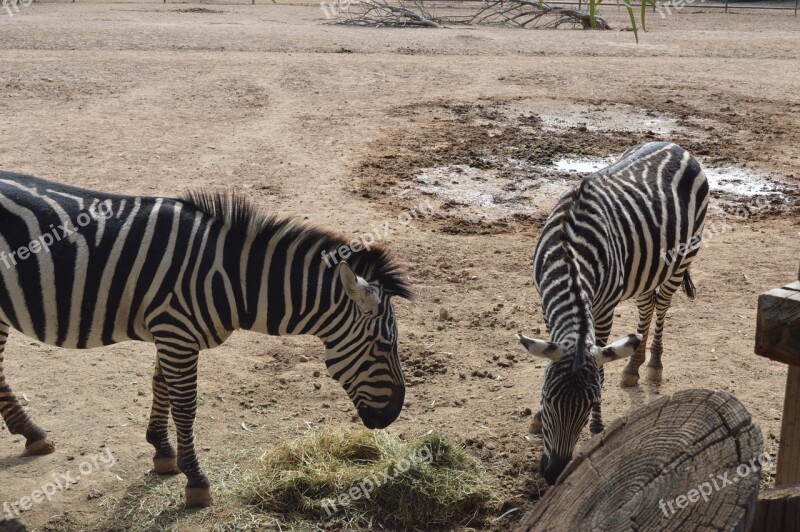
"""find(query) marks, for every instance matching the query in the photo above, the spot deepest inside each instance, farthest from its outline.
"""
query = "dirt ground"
(335, 125)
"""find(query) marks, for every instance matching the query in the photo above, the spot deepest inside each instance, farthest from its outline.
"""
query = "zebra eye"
(384, 348)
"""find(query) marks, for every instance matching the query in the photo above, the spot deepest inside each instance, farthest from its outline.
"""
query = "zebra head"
(362, 355)
(569, 392)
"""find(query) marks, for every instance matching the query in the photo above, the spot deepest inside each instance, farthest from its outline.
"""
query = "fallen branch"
(527, 13)
(513, 13)
(379, 13)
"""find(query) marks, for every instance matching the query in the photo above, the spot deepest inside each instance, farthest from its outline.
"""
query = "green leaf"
(633, 19)
(644, 10)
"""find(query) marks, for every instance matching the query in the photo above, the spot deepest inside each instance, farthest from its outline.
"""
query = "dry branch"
(387, 13)
(526, 14)
(513, 13)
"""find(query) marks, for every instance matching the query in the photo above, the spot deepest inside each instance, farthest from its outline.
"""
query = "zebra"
(81, 269)
(630, 230)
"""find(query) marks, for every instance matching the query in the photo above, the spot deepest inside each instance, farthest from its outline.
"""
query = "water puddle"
(582, 165)
(521, 189)
(744, 192)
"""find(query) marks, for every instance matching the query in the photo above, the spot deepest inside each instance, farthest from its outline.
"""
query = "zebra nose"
(380, 418)
(553, 467)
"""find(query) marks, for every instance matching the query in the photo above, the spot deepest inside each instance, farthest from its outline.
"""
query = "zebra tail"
(688, 286)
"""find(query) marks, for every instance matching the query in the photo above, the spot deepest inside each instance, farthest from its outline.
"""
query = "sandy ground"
(330, 124)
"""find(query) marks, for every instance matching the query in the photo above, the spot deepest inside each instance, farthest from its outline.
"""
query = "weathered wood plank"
(789, 450)
(778, 509)
(778, 324)
(646, 470)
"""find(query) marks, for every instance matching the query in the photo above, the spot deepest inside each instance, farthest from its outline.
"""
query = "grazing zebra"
(82, 269)
(628, 230)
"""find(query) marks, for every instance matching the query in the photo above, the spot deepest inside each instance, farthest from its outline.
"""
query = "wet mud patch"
(490, 167)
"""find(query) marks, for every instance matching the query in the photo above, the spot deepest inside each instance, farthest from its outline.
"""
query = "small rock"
(304, 358)
(419, 373)
(443, 314)
(94, 493)
(316, 373)
(317, 386)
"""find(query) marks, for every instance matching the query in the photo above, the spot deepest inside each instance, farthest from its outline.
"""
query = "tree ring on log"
(649, 469)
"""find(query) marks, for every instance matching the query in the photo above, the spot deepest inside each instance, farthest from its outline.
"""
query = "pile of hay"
(372, 476)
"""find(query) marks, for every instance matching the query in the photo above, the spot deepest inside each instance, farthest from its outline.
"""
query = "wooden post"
(788, 452)
(778, 338)
(777, 509)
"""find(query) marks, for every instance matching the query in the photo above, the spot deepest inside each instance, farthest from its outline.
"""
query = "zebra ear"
(622, 348)
(358, 289)
(540, 348)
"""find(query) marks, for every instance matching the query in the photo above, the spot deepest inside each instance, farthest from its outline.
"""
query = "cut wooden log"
(671, 465)
(778, 509)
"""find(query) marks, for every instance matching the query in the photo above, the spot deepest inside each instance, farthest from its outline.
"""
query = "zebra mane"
(568, 240)
(241, 215)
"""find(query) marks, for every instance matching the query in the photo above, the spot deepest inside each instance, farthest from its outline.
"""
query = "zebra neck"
(567, 305)
(288, 289)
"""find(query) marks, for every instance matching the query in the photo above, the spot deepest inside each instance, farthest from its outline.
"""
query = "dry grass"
(328, 479)
(369, 477)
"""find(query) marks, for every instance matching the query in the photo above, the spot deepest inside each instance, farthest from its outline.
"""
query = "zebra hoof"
(39, 447)
(166, 466)
(654, 374)
(628, 380)
(198, 497)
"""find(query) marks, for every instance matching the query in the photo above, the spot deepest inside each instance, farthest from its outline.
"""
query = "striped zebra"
(83, 269)
(630, 230)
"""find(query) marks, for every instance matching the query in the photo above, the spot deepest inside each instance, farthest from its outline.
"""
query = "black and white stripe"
(630, 230)
(82, 269)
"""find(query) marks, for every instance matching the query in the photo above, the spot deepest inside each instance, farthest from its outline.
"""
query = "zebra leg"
(178, 365)
(164, 461)
(646, 304)
(16, 418)
(662, 303)
(596, 425)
